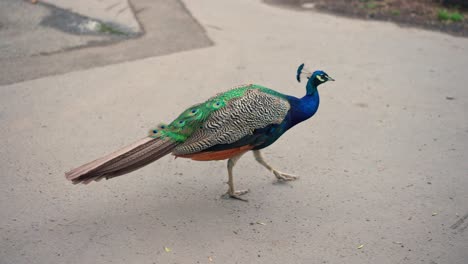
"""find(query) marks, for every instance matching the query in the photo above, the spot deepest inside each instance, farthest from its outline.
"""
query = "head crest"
(301, 71)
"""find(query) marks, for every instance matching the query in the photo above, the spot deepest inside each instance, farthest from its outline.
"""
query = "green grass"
(445, 15)
(395, 12)
(371, 5)
(456, 17)
(104, 28)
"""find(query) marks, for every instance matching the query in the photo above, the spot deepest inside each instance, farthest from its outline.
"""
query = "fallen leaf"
(167, 249)
(434, 213)
(261, 223)
(210, 259)
(361, 246)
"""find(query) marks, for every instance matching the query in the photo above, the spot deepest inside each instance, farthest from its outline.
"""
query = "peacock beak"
(330, 78)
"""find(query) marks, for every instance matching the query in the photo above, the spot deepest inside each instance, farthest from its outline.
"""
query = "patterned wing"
(240, 117)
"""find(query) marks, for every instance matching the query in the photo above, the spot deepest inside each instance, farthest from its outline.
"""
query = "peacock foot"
(281, 176)
(236, 195)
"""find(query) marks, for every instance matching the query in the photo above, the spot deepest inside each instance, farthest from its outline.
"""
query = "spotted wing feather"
(239, 118)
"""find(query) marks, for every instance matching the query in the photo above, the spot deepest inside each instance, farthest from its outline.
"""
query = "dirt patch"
(450, 16)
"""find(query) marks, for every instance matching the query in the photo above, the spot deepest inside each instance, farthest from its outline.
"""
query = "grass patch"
(456, 17)
(445, 15)
(371, 5)
(104, 28)
(395, 12)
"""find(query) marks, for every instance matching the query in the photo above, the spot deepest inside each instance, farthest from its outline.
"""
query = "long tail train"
(125, 160)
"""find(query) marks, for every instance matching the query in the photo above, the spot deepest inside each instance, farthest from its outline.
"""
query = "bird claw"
(236, 195)
(281, 176)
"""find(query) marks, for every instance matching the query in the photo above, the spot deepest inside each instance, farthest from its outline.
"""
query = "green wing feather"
(193, 118)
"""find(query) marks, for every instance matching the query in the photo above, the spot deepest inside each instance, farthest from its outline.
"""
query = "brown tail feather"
(123, 161)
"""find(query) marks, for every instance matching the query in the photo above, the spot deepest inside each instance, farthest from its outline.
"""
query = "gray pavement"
(382, 164)
(114, 12)
(30, 30)
(54, 42)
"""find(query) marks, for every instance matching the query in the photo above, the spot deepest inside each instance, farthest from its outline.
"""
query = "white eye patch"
(320, 78)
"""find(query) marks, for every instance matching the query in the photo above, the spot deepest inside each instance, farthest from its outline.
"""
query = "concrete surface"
(168, 28)
(115, 12)
(383, 163)
(22, 33)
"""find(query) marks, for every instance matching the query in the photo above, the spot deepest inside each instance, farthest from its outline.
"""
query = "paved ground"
(30, 30)
(383, 163)
(115, 12)
(51, 41)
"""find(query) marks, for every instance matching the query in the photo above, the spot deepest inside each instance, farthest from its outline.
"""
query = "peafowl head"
(314, 79)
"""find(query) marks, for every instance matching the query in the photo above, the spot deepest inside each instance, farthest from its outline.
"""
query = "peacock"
(226, 126)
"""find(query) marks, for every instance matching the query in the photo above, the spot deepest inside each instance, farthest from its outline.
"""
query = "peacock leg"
(281, 176)
(231, 193)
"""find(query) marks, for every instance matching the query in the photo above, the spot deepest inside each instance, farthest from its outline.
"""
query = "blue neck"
(301, 109)
(304, 108)
(311, 86)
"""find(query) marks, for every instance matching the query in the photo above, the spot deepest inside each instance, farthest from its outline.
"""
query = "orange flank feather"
(217, 155)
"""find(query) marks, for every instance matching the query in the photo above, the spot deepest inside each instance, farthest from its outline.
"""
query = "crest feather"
(302, 72)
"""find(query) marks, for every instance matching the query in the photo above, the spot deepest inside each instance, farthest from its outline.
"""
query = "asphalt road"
(45, 40)
(33, 29)
(382, 164)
